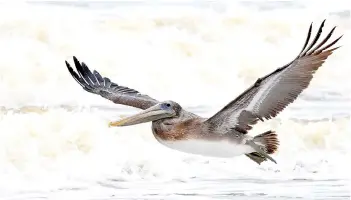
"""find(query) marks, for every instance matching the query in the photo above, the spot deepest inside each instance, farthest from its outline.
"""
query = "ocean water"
(55, 142)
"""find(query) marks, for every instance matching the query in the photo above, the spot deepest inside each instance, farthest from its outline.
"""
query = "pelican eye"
(166, 105)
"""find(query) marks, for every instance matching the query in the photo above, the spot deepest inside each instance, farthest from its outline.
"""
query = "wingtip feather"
(68, 65)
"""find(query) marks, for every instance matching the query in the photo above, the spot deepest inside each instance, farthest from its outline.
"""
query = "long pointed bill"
(151, 114)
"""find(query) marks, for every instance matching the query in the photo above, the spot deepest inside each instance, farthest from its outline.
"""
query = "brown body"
(190, 129)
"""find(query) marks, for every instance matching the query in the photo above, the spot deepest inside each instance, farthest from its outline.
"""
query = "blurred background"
(54, 138)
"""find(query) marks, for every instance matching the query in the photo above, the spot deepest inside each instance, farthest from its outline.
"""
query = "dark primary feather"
(269, 95)
(96, 84)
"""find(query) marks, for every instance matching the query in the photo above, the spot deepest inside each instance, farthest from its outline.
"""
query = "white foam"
(59, 148)
(201, 54)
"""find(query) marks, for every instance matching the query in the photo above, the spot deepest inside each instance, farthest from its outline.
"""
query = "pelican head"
(163, 110)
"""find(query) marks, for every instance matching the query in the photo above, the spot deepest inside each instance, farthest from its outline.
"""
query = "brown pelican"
(225, 134)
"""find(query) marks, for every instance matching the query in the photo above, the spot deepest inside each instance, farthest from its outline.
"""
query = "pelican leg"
(256, 157)
(259, 150)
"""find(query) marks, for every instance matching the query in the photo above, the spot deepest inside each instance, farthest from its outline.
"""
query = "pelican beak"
(151, 114)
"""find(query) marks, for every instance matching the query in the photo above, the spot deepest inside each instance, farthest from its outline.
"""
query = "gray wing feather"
(272, 93)
(94, 83)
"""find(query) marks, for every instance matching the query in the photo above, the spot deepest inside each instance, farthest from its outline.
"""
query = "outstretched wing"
(270, 94)
(96, 84)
